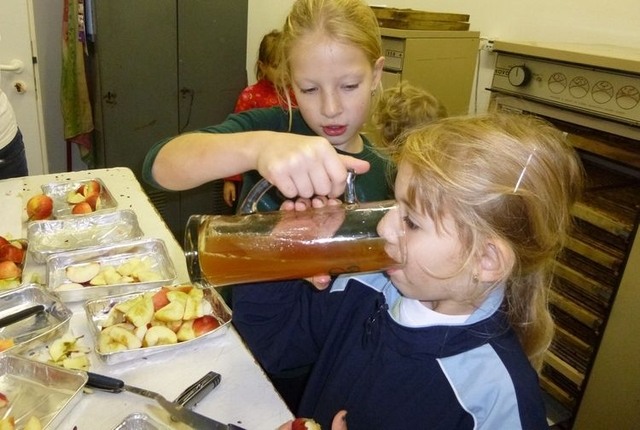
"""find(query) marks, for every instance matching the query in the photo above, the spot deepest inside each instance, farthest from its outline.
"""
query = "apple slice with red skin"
(205, 324)
(305, 424)
(160, 298)
(9, 270)
(11, 252)
(81, 208)
(89, 188)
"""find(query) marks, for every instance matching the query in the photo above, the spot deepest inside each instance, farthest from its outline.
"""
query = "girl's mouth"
(334, 130)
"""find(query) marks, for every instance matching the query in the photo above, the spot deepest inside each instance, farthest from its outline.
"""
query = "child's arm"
(297, 165)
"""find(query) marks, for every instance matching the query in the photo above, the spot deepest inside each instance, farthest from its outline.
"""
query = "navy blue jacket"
(389, 376)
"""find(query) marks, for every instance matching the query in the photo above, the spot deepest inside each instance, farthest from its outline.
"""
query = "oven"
(591, 375)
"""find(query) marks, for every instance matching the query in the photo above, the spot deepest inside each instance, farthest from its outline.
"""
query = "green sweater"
(374, 185)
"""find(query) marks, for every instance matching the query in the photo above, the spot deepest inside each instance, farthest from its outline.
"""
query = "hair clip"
(524, 169)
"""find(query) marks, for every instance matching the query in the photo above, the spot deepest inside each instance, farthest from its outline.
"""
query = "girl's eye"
(351, 87)
(307, 90)
(410, 224)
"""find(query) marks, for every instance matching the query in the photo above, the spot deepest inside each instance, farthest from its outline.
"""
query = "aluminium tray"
(97, 312)
(50, 237)
(38, 329)
(58, 192)
(153, 250)
(37, 389)
(140, 421)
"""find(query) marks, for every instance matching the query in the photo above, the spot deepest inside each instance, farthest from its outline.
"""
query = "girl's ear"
(377, 71)
(496, 262)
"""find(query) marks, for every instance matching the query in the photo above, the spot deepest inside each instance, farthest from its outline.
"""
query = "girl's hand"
(304, 166)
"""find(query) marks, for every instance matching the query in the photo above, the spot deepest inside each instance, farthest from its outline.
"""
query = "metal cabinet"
(442, 62)
(159, 68)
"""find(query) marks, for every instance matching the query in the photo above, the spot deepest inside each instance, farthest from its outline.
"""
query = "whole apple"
(39, 207)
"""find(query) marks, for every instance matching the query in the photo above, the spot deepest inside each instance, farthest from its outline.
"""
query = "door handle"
(14, 66)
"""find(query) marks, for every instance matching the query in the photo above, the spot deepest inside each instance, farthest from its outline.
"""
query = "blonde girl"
(331, 57)
(455, 337)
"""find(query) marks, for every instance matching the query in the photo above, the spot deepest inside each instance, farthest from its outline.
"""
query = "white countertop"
(245, 396)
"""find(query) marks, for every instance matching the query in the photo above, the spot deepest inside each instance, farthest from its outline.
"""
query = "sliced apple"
(141, 313)
(159, 335)
(81, 273)
(186, 332)
(193, 307)
(74, 197)
(115, 316)
(12, 251)
(9, 270)
(125, 337)
(8, 423)
(62, 346)
(149, 276)
(90, 188)
(69, 286)
(106, 344)
(94, 201)
(174, 311)
(129, 267)
(205, 324)
(33, 424)
(140, 331)
(160, 298)
(81, 208)
(128, 304)
(77, 362)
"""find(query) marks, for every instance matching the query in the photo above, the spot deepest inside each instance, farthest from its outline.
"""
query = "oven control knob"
(519, 76)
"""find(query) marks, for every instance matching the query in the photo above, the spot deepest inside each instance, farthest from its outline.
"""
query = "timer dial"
(519, 76)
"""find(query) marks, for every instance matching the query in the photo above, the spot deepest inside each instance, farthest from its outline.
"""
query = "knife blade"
(187, 416)
(21, 315)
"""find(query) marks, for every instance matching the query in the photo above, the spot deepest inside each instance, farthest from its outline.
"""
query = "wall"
(589, 22)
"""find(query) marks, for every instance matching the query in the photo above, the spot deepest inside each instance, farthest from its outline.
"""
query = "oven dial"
(519, 76)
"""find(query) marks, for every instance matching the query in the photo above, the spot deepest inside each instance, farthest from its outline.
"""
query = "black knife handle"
(105, 383)
(20, 315)
(198, 390)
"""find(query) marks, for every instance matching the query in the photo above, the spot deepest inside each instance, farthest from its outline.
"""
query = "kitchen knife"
(21, 315)
(187, 416)
(198, 390)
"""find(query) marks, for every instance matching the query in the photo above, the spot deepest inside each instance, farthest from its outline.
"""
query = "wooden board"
(410, 19)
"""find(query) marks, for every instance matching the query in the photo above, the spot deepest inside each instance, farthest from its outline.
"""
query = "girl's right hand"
(304, 166)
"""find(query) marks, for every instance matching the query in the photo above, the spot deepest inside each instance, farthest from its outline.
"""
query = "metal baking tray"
(154, 251)
(58, 192)
(50, 237)
(140, 421)
(97, 311)
(35, 330)
(37, 389)
(6, 284)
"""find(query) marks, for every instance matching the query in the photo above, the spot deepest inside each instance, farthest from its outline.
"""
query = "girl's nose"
(389, 227)
(331, 105)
